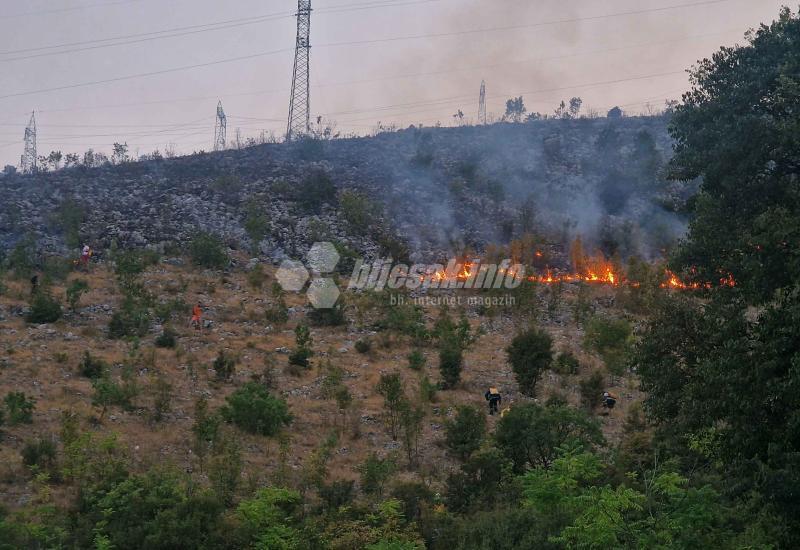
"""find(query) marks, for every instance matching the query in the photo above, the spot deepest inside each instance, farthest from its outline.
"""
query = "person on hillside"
(197, 316)
(609, 400)
(494, 398)
(86, 254)
(34, 285)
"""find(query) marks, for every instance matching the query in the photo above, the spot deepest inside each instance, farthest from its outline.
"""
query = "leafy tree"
(314, 191)
(530, 434)
(253, 409)
(271, 519)
(207, 250)
(515, 109)
(611, 338)
(204, 429)
(256, 223)
(466, 431)
(394, 399)
(416, 360)
(484, 480)
(375, 472)
(530, 354)
(736, 129)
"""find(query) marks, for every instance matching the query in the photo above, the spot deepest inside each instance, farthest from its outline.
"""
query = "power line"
(360, 42)
(74, 8)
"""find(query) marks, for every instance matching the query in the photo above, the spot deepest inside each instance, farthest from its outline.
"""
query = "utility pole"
(482, 104)
(27, 163)
(220, 128)
(300, 102)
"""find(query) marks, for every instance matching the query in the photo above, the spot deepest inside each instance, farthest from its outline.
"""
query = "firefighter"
(197, 316)
(609, 400)
(494, 398)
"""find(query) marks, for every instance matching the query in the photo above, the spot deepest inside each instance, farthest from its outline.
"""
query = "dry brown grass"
(239, 326)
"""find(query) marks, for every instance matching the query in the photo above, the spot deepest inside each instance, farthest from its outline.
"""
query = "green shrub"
(465, 433)
(357, 210)
(55, 268)
(530, 354)
(256, 223)
(327, 317)
(612, 339)
(363, 345)
(427, 390)
(531, 435)
(133, 319)
(303, 352)
(44, 309)
(256, 277)
(20, 408)
(224, 365)
(164, 311)
(167, 338)
(40, 456)
(416, 360)
(75, 290)
(254, 410)
(566, 363)
(592, 389)
(92, 367)
(108, 392)
(207, 250)
(375, 472)
(315, 190)
(450, 362)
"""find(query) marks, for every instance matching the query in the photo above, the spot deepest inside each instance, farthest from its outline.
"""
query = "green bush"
(416, 360)
(44, 309)
(40, 456)
(167, 338)
(254, 410)
(566, 363)
(224, 365)
(20, 408)
(612, 339)
(74, 292)
(531, 435)
(530, 354)
(358, 210)
(207, 250)
(315, 190)
(303, 352)
(592, 389)
(327, 317)
(363, 345)
(133, 319)
(466, 431)
(450, 362)
(92, 367)
(375, 472)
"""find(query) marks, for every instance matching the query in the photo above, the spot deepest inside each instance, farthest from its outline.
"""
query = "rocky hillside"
(439, 189)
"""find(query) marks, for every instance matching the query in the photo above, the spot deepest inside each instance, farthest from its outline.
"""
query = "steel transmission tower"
(27, 163)
(300, 102)
(482, 104)
(220, 128)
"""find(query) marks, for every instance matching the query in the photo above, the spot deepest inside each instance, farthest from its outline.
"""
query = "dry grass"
(36, 366)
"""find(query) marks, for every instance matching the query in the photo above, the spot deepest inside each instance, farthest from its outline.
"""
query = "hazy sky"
(396, 61)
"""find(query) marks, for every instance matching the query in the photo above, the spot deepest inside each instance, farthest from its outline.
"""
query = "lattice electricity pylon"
(220, 128)
(300, 102)
(482, 104)
(27, 163)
